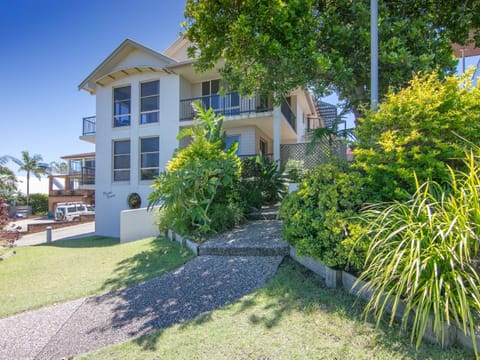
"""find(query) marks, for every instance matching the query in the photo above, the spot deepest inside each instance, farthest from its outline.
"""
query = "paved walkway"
(203, 284)
(66, 233)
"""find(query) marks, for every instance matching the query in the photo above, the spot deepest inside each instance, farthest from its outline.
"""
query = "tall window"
(210, 90)
(121, 106)
(121, 160)
(149, 102)
(149, 158)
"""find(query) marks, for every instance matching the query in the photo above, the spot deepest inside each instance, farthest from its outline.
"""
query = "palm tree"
(58, 168)
(7, 178)
(31, 165)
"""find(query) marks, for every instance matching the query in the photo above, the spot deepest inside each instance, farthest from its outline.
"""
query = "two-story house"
(76, 185)
(144, 98)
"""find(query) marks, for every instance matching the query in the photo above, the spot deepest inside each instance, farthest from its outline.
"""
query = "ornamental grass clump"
(423, 253)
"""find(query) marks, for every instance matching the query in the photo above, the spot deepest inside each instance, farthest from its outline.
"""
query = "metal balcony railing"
(88, 176)
(288, 114)
(89, 126)
(229, 105)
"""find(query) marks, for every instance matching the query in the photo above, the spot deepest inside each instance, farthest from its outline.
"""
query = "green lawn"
(65, 270)
(292, 317)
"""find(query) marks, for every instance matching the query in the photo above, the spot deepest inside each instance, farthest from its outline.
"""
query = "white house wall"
(111, 197)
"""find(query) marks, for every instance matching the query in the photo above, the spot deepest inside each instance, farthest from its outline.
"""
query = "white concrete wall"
(111, 197)
(138, 224)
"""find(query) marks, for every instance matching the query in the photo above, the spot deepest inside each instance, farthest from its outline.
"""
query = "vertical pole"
(463, 61)
(374, 53)
(276, 134)
(49, 234)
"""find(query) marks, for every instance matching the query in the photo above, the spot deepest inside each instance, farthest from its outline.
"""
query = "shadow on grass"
(87, 242)
(296, 289)
(161, 257)
(203, 284)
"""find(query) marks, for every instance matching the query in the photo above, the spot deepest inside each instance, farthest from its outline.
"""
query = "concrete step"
(265, 213)
(255, 238)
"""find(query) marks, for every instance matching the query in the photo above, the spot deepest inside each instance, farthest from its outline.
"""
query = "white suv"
(72, 211)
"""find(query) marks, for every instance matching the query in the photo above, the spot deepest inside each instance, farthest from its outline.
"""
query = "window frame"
(114, 155)
(141, 153)
(149, 96)
(114, 102)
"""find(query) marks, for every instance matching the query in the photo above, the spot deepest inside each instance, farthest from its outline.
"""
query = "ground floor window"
(149, 158)
(121, 160)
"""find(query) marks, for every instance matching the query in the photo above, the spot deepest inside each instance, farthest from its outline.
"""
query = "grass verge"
(65, 270)
(292, 317)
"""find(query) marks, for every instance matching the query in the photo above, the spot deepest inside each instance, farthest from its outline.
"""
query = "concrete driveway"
(66, 233)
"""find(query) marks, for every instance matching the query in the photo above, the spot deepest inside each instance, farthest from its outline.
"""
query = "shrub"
(262, 183)
(200, 180)
(318, 218)
(423, 253)
(3, 213)
(295, 170)
(39, 203)
(417, 130)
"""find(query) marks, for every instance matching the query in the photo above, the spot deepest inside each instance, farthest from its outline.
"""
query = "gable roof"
(106, 67)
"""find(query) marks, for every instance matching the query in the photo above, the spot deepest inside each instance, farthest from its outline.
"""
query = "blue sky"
(49, 47)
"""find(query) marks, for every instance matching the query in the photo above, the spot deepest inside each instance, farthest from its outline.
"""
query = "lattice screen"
(312, 155)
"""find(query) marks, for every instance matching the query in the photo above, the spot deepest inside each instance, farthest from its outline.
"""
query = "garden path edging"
(359, 288)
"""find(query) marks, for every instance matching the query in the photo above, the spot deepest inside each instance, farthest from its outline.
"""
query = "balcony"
(233, 104)
(89, 129)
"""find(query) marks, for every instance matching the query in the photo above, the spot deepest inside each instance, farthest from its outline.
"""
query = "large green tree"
(275, 46)
(30, 165)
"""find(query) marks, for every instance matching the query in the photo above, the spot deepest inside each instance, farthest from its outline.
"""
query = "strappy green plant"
(423, 254)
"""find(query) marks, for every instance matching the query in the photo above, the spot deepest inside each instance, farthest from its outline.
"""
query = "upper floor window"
(121, 160)
(121, 106)
(149, 102)
(149, 158)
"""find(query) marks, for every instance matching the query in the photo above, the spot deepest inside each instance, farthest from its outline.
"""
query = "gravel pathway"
(201, 285)
(255, 238)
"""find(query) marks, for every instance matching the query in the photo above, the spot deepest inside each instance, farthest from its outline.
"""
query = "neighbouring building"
(144, 98)
(78, 185)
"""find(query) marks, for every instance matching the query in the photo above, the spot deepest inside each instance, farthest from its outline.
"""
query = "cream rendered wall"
(247, 139)
(260, 134)
(111, 197)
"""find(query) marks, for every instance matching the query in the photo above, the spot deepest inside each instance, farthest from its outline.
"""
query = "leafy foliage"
(277, 46)
(30, 165)
(39, 203)
(424, 253)
(295, 170)
(3, 213)
(262, 183)
(417, 130)
(199, 181)
(7, 179)
(317, 219)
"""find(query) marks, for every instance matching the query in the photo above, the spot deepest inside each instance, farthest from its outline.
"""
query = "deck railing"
(229, 105)
(288, 114)
(89, 126)
(88, 176)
